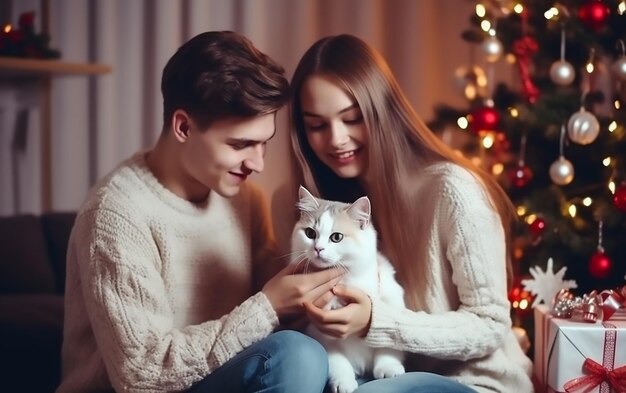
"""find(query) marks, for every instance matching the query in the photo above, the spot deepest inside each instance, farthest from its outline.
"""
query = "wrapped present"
(580, 345)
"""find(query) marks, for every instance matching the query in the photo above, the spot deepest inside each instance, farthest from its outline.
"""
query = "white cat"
(331, 234)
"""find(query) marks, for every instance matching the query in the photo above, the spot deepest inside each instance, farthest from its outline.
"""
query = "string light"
(521, 210)
(589, 67)
(587, 201)
(612, 187)
(606, 161)
(462, 122)
(551, 13)
(485, 25)
(518, 8)
(613, 126)
(7, 28)
(488, 141)
(530, 218)
(621, 8)
(513, 112)
(481, 11)
(617, 104)
(572, 210)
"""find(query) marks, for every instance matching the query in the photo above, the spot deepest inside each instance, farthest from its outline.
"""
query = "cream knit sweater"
(463, 329)
(160, 292)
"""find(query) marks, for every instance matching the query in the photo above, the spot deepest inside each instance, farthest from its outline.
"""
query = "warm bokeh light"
(485, 25)
(518, 8)
(612, 126)
(521, 210)
(481, 11)
(551, 13)
(7, 28)
(497, 169)
(572, 210)
(513, 112)
(612, 187)
(621, 8)
(530, 218)
(462, 122)
(587, 201)
(606, 161)
(617, 104)
(589, 67)
(488, 141)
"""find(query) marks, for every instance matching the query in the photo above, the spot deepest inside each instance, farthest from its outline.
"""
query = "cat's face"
(331, 234)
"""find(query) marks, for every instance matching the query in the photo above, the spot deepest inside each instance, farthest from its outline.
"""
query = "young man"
(169, 251)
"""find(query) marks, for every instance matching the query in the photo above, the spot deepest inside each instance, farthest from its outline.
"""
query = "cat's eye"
(310, 233)
(336, 237)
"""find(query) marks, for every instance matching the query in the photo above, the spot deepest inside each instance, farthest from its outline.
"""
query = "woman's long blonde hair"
(399, 142)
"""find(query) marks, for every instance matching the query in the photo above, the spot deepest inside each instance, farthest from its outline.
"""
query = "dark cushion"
(57, 228)
(24, 263)
(31, 328)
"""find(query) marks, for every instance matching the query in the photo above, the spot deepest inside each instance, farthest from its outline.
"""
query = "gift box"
(576, 356)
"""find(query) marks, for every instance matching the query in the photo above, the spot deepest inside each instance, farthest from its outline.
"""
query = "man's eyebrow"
(344, 110)
(248, 141)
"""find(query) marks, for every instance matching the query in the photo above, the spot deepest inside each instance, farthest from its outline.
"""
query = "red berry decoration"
(619, 198)
(484, 118)
(520, 176)
(594, 14)
(600, 265)
(537, 227)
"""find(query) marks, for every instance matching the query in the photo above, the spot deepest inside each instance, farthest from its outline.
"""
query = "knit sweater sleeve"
(132, 319)
(472, 237)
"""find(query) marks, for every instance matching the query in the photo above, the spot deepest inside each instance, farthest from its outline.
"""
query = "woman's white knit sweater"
(160, 292)
(463, 328)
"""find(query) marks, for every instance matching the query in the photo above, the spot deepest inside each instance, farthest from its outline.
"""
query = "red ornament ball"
(594, 13)
(600, 265)
(484, 118)
(520, 176)
(619, 198)
(537, 227)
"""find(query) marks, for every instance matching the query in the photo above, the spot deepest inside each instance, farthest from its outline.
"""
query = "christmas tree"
(554, 136)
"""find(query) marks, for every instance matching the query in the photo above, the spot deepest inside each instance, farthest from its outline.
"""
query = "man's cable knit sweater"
(160, 292)
(463, 328)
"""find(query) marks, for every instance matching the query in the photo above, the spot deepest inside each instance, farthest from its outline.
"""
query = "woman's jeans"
(284, 362)
(413, 382)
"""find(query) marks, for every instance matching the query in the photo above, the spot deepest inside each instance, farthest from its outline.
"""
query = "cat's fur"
(344, 237)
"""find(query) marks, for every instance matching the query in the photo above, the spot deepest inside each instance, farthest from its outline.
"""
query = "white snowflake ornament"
(545, 285)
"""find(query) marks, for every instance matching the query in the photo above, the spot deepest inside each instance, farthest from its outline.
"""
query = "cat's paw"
(343, 385)
(388, 368)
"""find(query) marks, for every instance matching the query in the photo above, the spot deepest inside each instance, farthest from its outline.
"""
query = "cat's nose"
(318, 250)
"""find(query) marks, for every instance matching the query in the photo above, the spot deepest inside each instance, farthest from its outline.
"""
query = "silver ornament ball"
(583, 127)
(562, 171)
(492, 48)
(562, 73)
(619, 68)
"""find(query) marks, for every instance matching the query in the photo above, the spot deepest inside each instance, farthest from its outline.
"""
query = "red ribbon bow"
(598, 374)
(524, 49)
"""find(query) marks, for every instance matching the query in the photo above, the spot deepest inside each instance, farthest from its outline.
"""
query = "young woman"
(441, 221)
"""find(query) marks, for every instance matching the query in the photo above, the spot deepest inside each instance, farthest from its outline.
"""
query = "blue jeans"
(413, 382)
(284, 362)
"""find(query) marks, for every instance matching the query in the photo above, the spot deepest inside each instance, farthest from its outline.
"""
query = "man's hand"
(352, 319)
(288, 290)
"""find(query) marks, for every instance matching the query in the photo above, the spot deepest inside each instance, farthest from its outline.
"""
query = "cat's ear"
(307, 201)
(360, 211)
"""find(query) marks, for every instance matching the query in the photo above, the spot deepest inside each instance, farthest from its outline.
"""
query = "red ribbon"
(598, 374)
(524, 49)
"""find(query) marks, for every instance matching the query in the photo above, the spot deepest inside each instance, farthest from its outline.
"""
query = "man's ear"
(181, 123)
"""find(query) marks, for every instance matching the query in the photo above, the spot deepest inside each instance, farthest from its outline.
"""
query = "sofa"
(32, 280)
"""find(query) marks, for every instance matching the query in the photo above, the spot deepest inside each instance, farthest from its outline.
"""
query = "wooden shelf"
(33, 67)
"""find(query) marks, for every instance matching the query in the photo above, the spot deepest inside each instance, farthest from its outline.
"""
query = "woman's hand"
(352, 319)
(288, 290)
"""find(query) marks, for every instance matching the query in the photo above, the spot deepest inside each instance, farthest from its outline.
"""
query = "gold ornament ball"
(492, 48)
(562, 73)
(583, 127)
(562, 171)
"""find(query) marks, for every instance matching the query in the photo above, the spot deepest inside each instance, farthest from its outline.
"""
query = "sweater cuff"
(383, 330)
(252, 321)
